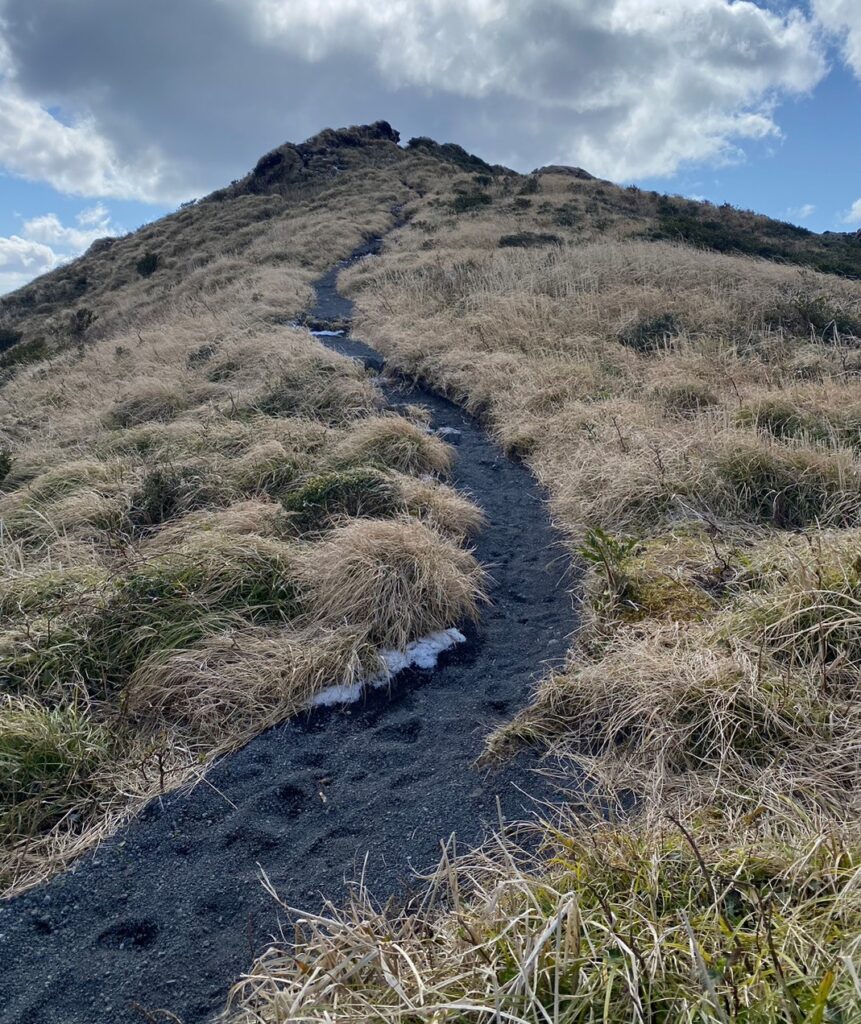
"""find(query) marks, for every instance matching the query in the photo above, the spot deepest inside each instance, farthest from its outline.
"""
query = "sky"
(112, 112)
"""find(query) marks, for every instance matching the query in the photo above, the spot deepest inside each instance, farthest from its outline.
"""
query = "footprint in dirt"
(406, 731)
(132, 935)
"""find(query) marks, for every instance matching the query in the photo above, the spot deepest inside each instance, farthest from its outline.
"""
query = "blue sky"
(112, 112)
(810, 176)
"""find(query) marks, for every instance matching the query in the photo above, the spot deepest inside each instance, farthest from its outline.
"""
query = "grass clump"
(165, 492)
(321, 501)
(50, 759)
(266, 468)
(685, 397)
(325, 387)
(789, 418)
(528, 240)
(467, 202)
(92, 634)
(231, 683)
(636, 921)
(148, 264)
(147, 402)
(441, 507)
(399, 580)
(49, 591)
(789, 487)
(808, 313)
(392, 442)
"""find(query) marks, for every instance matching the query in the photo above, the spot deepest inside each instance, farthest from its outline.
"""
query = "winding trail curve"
(167, 913)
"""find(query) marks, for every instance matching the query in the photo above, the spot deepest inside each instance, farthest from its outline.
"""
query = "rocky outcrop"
(564, 169)
(321, 157)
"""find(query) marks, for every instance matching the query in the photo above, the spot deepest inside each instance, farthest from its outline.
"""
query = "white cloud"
(843, 19)
(45, 242)
(21, 260)
(639, 87)
(93, 223)
(75, 158)
(802, 212)
(627, 88)
(853, 215)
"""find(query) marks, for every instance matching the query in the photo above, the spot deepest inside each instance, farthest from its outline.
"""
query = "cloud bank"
(162, 100)
(45, 242)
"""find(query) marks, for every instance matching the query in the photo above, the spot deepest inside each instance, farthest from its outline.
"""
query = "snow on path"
(422, 653)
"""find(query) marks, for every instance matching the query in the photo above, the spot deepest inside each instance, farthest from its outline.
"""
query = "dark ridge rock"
(455, 154)
(323, 155)
(100, 245)
(569, 172)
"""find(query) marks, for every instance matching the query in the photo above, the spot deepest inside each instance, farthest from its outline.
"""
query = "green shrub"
(147, 264)
(5, 464)
(530, 187)
(650, 334)
(8, 338)
(322, 500)
(567, 216)
(469, 201)
(528, 240)
(23, 353)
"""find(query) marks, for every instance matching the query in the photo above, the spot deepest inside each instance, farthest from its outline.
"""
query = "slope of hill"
(691, 408)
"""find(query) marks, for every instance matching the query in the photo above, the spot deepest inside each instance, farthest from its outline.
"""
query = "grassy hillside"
(173, 462)
(682, 378)
(695, 417)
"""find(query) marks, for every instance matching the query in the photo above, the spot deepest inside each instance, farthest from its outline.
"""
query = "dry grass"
(693, 416)
(158, 608)
(632, 922)
(399, 580)
(237, 682)
(395, 443)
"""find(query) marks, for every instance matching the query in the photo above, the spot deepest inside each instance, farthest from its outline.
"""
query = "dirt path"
(168, 913)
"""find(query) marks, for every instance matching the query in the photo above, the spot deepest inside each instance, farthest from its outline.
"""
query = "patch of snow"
(339, 694)
(448, 432)
(422, 653)
(327, 334)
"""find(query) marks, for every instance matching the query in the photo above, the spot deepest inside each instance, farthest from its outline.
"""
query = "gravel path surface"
(168, 913)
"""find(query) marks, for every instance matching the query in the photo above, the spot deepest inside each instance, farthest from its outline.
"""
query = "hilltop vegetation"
(682, 378)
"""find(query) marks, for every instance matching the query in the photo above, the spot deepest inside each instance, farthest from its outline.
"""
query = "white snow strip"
(327, 334)
(341, 694)
(422, 653)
